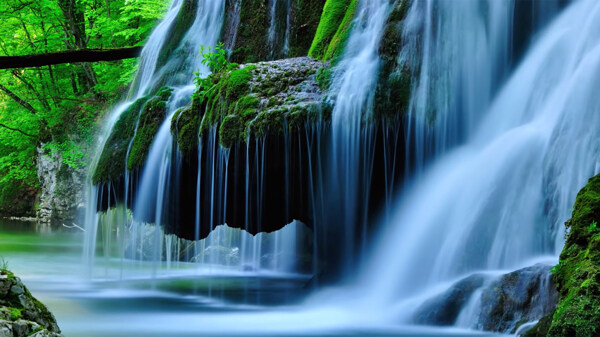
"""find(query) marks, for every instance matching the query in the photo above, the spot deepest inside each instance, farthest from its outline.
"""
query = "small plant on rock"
(3, 266)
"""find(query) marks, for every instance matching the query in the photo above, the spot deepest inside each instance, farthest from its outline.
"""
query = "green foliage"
(577, 276)
(16, 314)
(68, 100)
(215, 60)
(3, 265)
(593, 228)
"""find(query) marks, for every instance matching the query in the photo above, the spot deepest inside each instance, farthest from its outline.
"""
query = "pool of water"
(126, 298)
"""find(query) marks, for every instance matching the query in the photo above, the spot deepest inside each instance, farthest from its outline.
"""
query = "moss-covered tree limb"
(70, 56)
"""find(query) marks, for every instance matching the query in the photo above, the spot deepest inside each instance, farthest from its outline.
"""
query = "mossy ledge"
(333, 30)
(150, 111)
(577, 276)
(21, 314)
(261, 98)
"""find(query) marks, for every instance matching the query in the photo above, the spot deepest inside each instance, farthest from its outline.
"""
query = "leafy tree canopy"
(57, 107)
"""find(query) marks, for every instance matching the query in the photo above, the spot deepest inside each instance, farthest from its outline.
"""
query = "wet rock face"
(21, 314)
(522, 296)
(506, 302)
(445, 308)
(61, 187)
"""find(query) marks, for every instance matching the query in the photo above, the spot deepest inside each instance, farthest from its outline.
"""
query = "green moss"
(541, 328)
(578, 274)
(111, 164)
(339, 40)
(394, 86)
(231, 130)
(334, 13)
(15, 313)
(185, 125)
(247, 105)
(237, 83)
(324, 78)
(268, 122)
(151, 117)
(150, 111)
(307, 17)
(252, 32)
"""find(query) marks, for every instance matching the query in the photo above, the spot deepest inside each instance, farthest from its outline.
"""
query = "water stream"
(500, 199)
(501, 141)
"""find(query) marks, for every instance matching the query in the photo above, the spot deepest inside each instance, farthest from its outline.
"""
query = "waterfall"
(278, 33)
(128, 231)
(354, 81)
(499, 198)
(152, 49)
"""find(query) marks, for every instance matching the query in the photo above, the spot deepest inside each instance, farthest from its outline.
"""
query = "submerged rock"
(506, 303)
(516, 298)
(445, 308)
(21, 314)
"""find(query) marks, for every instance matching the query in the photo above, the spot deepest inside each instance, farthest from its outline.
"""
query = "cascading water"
(498, 201)
(354, 82)
(461, 53)
(279, 28)
(152, 49)
(153, 199)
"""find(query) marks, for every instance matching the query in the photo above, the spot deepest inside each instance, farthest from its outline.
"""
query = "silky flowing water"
(175, 303)
(500, 144)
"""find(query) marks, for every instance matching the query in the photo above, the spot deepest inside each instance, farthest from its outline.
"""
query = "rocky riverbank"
(21, 314)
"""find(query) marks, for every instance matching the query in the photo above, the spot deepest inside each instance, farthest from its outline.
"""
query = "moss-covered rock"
(248, 22)
(577, 276)
(252, 32)
(259, 98)
(151, 117)
(150, 112)
(541, 328)
(304, 20)
(111, 164)
(394, 85)
(333, 30)
(21, 314)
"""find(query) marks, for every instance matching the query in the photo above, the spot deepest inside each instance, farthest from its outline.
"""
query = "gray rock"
(18, 290)
(6, 329)
(445, 308)
(33, 315)
(61, 185)
(516, 298)
(22, 328)
(45, 333)
(5, 284)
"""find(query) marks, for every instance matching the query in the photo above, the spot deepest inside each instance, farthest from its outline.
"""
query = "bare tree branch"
(17, 130)
(18, 99)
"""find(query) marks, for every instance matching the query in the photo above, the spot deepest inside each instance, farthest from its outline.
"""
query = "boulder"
(21, 314)
(444, 308)
(516, 298)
